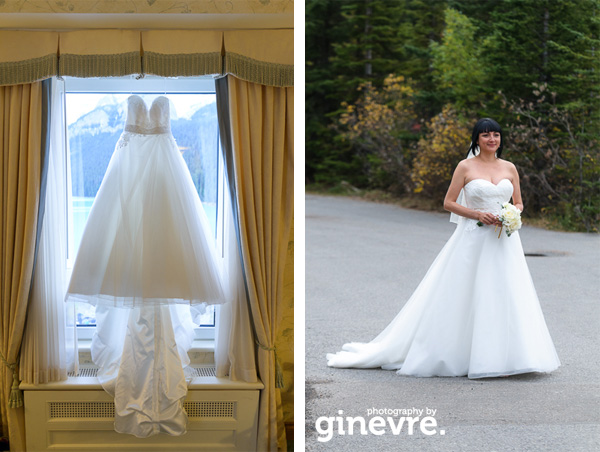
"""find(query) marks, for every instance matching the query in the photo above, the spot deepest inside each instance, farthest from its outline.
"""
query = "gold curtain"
(262, 120)
(20, 169)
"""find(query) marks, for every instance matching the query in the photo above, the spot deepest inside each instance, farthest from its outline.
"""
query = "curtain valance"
(259, 56)
(265, 57)
(99, 53)
(27, 56)
(182, 52)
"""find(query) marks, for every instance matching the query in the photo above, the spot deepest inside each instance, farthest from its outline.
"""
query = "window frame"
(144, 85)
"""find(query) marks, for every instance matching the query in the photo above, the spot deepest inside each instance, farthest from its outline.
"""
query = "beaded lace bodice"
(485, 196)
(154, 121)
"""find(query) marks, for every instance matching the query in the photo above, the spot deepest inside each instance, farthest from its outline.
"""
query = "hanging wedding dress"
(144, 258)
(475, 312)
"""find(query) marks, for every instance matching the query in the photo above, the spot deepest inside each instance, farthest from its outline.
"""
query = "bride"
(476, 311)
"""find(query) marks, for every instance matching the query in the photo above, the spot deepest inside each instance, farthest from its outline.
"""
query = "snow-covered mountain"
(108, 116)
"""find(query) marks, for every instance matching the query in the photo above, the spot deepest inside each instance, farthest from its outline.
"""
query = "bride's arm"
(517, 200)
(450, 204)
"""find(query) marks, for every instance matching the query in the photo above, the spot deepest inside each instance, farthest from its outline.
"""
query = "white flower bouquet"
(509, 218)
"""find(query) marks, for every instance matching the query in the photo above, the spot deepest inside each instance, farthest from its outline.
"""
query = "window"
(95, 115)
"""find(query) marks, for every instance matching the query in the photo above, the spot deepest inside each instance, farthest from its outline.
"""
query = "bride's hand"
(487, 218)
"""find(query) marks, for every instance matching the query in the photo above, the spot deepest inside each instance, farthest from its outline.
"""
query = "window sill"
(91, 383)
(202, 352)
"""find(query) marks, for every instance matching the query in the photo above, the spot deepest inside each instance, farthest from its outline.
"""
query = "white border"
(299, 244)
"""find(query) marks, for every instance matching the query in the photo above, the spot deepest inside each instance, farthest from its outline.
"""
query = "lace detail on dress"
(470, 224)
(124, 140)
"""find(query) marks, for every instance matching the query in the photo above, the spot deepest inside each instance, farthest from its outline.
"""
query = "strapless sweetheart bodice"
(144, 121)
(485, 196)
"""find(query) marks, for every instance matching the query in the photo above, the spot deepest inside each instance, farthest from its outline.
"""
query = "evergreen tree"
(349, 43)
(368, 53)
(420, 24)
(543, 41)
(457, 61)
(324, 162)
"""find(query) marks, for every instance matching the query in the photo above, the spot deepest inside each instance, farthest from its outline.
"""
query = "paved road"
(363, 260)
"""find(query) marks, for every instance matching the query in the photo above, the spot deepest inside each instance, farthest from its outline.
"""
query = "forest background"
(393, 89)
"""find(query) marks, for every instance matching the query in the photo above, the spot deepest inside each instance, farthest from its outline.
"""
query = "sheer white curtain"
(234, 337)
(234, 344)
(49, 348)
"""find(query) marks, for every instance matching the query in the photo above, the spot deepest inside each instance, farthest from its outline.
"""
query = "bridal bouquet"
(509, 218)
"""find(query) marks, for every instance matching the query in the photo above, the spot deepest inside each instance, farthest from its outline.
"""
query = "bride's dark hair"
(482, 126)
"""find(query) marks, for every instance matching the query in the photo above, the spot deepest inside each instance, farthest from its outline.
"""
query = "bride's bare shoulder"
(465, 164)
(508, 165)
(461, 170)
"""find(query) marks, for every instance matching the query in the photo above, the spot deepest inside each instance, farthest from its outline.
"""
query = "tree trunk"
(544, 74)
(368, 52)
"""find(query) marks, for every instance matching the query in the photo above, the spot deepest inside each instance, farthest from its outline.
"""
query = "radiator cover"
(78, 415)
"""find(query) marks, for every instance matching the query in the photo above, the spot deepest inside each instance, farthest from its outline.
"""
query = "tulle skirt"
(144, 253)
(475, 313)
(145, 241)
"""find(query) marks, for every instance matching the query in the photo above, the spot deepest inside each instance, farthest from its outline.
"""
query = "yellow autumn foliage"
(445, 144)
(374, 125)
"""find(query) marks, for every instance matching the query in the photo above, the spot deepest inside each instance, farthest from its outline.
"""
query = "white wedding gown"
(475, 313)
(144, 258)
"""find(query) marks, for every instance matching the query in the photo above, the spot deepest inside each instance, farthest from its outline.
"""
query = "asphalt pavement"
(363, 261)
